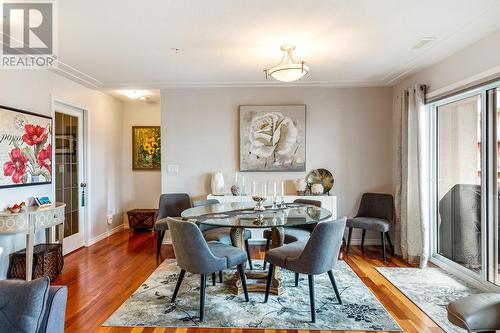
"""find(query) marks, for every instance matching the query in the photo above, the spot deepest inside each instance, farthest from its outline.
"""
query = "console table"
(30, 221)
(328, 202)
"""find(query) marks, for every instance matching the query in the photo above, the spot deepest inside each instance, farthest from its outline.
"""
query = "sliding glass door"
(466, 168)
(459, 185)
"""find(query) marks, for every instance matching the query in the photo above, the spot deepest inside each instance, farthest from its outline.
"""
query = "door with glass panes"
(69, 174)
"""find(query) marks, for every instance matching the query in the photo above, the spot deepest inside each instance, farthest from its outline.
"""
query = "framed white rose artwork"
(272, 138)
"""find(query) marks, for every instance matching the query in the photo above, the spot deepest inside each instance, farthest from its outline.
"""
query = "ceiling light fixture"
(287, 70)
(133, 94)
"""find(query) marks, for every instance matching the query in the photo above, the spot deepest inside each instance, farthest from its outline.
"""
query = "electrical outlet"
(109, 218)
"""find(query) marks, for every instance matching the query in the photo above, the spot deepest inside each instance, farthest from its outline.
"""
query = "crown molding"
(89, 81)
(243, 84)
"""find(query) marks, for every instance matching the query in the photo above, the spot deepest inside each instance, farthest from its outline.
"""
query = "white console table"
(30, 221)
(327, 201)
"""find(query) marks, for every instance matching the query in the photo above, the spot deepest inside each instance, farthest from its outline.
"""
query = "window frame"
(489, 206)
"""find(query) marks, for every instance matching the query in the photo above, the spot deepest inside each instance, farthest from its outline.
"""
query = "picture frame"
(26, 148)
(146, 148)
(272, 138)
(43, 201)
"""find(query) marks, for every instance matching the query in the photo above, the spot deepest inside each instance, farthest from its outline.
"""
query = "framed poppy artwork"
(146, 148)
(25, 148)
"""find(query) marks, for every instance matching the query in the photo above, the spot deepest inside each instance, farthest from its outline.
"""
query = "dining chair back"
(319, 255)
(191, 250)
(170, 205)
(375, 213)
(195, 255)
(199, 203)
(321, 251)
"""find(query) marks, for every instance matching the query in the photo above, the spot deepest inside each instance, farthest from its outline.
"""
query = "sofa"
(32, 307)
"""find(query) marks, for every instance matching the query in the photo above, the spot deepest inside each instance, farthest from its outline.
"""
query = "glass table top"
(242, 215)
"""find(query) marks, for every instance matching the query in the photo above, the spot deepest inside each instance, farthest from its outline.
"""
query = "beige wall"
(140, 189)
(349, 132)
(32, 90)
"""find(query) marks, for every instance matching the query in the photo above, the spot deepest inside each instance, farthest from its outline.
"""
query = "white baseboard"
(105, 235)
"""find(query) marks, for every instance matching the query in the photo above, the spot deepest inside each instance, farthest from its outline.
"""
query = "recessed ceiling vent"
(422, 42)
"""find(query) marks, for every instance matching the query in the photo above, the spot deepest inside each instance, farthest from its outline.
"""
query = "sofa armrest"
(55, 313)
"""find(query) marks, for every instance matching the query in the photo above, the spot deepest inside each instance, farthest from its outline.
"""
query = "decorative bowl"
(320, 176)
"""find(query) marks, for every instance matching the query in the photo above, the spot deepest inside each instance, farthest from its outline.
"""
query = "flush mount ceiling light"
(287, 70)
(134, 94)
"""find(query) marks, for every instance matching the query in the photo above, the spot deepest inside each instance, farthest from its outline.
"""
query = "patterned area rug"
(431, 290)
(150, 305)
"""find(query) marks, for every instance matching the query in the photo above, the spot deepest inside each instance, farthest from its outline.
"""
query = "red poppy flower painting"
(34, 134)
(45, 158)
(16, 167)
(25, 148)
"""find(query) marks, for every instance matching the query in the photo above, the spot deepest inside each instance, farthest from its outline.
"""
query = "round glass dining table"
(239, 216)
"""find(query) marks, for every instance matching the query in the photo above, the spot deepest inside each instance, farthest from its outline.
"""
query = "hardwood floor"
(101, 277)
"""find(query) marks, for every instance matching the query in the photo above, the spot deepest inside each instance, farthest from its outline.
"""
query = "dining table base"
(238, 240)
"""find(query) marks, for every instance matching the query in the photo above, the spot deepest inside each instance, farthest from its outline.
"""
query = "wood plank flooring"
(101, 277)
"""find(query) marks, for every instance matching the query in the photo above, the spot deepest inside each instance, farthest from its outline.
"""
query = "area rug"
(431, 290)
(150, 305)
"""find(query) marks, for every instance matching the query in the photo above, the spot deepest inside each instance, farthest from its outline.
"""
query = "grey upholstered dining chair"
(376, 213)
(316, 256)
(221, 234)
(195, 255)
(294, 234)
(171, 205)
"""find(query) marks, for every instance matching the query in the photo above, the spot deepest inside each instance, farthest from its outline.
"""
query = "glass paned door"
(68, 166)
(459, 181)
(494, 247)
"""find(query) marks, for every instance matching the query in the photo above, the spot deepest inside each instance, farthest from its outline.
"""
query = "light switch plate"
(173, 168)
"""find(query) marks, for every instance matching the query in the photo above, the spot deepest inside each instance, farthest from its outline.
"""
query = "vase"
(217, 183)
(300, 186)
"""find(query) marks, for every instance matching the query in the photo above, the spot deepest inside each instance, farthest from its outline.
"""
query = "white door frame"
(85, 166)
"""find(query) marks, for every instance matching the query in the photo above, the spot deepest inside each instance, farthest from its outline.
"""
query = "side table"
(142, 218)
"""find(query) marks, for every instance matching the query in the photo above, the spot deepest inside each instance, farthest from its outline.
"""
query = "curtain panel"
(412, 181)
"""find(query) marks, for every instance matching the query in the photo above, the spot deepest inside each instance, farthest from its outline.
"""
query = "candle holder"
(258, 202)
(275, 204)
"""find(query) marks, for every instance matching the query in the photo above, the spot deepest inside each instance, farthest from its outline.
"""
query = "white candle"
(253, 188)
(283, 188)
(243, 182)
(274, 189)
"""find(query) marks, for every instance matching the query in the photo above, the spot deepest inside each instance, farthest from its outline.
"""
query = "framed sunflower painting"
(25, 148)
(146, 148)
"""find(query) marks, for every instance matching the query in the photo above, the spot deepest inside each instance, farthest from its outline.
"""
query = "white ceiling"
(116, 44)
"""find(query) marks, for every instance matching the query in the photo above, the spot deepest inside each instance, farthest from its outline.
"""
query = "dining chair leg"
(159, 241)
(348, 241)
(311, 297)
(213, 279)
(269, 279)
(268, 243)
(363, 240)
(203, 283)
(383, 246)
(243, 278)
(178, 285)
(296, 279)
(247, 248)
(334, 285)
(220, 276)
(390, 243)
